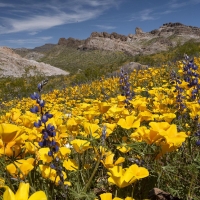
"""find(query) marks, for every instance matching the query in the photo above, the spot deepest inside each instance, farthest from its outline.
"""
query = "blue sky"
(32, 23)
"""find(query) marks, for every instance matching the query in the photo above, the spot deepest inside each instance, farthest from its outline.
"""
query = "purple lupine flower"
(198, 142)
(35, 96)
(103, 136)
(41, 103)
(40, 85)
(35, 109)
(48, 115)
(50, 153)
(52, 166)
(44, 118)
(38, 124)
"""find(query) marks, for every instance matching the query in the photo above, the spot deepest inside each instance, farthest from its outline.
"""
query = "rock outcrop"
(168, 35)
(107, 35)
(138, 31)
(12, 64)
(70, 42)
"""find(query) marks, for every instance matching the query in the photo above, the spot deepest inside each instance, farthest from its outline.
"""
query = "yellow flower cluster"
(82, 113)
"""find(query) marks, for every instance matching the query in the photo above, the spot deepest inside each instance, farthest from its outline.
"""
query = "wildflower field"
(115, 138)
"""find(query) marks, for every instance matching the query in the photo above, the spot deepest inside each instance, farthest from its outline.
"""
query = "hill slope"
(12, 64)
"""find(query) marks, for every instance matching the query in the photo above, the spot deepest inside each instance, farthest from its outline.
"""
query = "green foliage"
(73, 60)
(191, 48)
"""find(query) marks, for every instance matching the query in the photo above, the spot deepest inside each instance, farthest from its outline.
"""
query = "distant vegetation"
(72, 60)
(88, 65)
(173, 54)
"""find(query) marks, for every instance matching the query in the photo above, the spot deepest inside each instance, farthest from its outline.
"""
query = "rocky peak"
(168, 35)
(113, 35)
(138, 31)
(177, 29)
(70, 42)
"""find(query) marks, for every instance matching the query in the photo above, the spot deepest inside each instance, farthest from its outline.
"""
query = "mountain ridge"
(161, 39)
(144, 43)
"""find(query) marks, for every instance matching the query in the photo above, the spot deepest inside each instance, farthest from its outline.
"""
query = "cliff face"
(168, 35)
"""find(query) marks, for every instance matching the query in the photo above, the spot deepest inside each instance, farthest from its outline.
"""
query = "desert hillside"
(12, 64)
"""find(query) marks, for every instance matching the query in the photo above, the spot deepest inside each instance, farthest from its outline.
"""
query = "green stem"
(132, 192)
(93, 173)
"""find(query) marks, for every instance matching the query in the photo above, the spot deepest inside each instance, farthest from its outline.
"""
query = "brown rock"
(158, 194)
(138, 31)
(70, 42)
(106, 35)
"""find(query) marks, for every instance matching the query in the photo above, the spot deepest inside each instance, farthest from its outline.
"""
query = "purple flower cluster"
(125, 86)
(191, 76)
(179, 97)
(196, 129)
(48, 132)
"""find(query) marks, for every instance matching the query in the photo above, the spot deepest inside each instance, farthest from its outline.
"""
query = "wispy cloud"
(175, 4)
(105, 27)
(5, 5)
(144, 15)
(33, 33)
(156, 12)
(33, 41)
(36, 17)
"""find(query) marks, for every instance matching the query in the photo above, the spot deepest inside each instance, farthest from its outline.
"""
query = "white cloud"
(44, 16)
(175, 4)
(156, 12)
(33, 33)
(144, 15)
(105, 27)
(5, 5)
(22, 42)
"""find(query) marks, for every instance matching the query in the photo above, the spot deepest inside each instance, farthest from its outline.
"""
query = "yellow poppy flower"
(106, 196)
(124, 148)
(70, 165)
(43, 155)
(129, 122)
(80, 145)
(23, 167)
(168, 117)
(91, 129)
(103, 107)
(108, 162)
(174, 138)
(124, 177)
(23, 193)
(9, 132)
(48, 172)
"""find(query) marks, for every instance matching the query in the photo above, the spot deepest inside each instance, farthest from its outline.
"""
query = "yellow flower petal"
(8, 194)
(64, 151)
(106, 196)
(80, 145)
(43, 154)
(70, 164)
(39, 195)
(8, 132)
(23, 191)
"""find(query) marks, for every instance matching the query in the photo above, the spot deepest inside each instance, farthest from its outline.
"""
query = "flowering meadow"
(115, 138)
